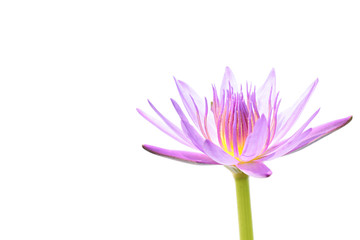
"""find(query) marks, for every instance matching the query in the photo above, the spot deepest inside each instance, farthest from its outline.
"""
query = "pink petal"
(188, 157)
(255, 169)
(289, 117)
(267, 90)
(228, 81)
(196, 108)
(255, 142)
(322, 131)
(217, 154)
(163, 127)
(193, 135)
(289, 144)
(172, 126)
(189, 130)
(179, 111)
(189, 98)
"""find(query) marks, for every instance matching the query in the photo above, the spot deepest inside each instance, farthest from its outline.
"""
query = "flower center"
(235, 116)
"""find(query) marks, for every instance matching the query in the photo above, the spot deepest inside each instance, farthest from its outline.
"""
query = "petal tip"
(228, 72)
(148, 148)
(173, 101)
(350, 118)
(347, 120)
(265, 174)
(272, 72)
(141, 112)
(145, 146)
(268, 174)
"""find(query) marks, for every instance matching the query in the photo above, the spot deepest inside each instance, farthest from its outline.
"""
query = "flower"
(241, 128)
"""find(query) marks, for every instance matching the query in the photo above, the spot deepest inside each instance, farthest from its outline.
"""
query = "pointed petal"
(162, 127)
(255, 142)
(322, 131)
(289, 117)
(184, 156)
(228, 81)
(189, 130)
(209, 123)
(217, 154)
(193, 135)
(172, 126)
(179, 111)
(255, 169)
(288, 146)
(267, 90)
(196, 107)
(189, 98)
(291, 142)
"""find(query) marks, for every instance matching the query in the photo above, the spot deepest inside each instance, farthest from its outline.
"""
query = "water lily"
(241, 128)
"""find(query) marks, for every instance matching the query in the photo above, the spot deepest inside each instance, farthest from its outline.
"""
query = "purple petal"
(290, 143)
(189, 98)
(196, 108)
(179, 111)
(267, 90)
(288, 146)
(189, 130)
(172, 126)
(218, 154)
(289, 117)
(188, 157)
(255, 142)
(255, 169)
(322, 131)
(209, 123)
(162, 127)
(193, 135)
(228, 81)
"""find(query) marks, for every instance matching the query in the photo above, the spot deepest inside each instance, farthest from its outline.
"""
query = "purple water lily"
(242, 127)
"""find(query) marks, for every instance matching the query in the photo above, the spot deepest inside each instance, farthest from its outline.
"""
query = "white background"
(72, 74)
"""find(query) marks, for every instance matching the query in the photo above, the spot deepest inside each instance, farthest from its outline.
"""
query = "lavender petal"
(184, 156)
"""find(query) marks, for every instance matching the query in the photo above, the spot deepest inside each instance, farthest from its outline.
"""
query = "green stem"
(244, 207)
